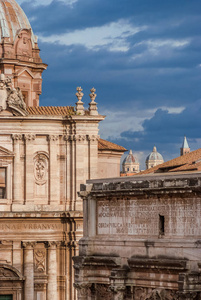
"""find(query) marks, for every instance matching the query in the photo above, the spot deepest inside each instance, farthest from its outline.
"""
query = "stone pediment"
(9, 273)
(25, 72)
(5, 152)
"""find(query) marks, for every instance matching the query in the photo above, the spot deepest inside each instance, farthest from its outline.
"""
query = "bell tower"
(19, 52)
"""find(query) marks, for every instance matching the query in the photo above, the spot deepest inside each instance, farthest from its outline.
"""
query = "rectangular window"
(161, 225)
(2, 184)
(6, 297)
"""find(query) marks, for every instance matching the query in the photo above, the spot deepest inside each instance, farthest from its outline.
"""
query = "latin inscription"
(141, 217)
(29, 226)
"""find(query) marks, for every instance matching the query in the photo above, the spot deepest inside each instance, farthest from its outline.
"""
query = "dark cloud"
(141, 78)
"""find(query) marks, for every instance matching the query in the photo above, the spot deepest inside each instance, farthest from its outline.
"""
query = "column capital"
(53, 244)
(29, 137)
(52, 137)
(16, 137)
(28, 245)
(93, 138)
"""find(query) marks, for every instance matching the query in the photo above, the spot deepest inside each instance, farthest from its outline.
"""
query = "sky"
(142, 56)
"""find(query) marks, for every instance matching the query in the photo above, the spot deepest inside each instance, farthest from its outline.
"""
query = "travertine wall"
(109, 164)
(141, 238)
(46, 159)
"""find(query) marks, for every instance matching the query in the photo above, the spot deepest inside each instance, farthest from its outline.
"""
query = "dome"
(13, 20)
(129, 158)
(154, 155)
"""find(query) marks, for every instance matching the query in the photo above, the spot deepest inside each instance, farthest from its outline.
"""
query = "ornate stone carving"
(17, 137)
(28, 244)
(39, 260)
(6, 273)
(40, 168)
(93, 138)
(141, 293)
(15, 98)
(53, 244)
(104, 291)
(52, 137)
(39, 286)
(83, 289)
(93, 105)
(92, 95)
(29, 137)
(79, 103)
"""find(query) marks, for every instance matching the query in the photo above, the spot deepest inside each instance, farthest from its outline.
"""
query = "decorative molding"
(17, 137)
(53, 244)
(53, 137)
(29, 245)
(29, 137)
(93, 138)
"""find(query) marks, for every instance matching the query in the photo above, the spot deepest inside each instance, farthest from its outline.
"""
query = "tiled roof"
(188, 162)
(51, 110)
(106, 145)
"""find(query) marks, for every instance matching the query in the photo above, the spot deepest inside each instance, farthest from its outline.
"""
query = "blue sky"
(142, 56)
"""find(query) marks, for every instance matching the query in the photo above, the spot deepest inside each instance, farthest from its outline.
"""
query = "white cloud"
(159, 46)
(46, 2)
(113, 36)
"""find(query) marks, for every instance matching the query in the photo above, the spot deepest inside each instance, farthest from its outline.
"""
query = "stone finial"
(79, 103)
(93, 105)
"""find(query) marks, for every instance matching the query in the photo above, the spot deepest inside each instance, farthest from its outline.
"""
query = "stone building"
(45, 154)
(154, 159)
(130, 164)
(142, 235)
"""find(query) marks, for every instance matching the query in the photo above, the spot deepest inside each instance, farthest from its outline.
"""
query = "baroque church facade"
(45, 154)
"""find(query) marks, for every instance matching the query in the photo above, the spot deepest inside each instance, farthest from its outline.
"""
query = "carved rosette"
(39, 260)
(40, 168)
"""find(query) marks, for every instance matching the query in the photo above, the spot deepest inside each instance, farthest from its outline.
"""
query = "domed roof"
(154, 155)
(129, 158)
(13, 19)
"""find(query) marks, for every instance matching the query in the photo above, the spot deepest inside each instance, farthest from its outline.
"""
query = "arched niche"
(11, 282)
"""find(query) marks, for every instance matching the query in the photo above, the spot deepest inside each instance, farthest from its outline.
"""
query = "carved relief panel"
(40, 258)
(41, 168)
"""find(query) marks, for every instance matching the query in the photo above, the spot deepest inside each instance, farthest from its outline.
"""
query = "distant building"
(130, 165)
(185, 147)
(154, 159)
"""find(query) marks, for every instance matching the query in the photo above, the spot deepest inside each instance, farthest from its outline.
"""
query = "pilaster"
(29, 167)
(52, 270)
(54, 184)
(28, 270)
(93, 155)
(17, 182)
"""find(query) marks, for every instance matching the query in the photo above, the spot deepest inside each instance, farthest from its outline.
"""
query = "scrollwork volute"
(41, 168)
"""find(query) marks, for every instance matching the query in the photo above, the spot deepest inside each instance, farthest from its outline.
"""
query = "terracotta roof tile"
(51, 110)
(188, 162)
(106, 145)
